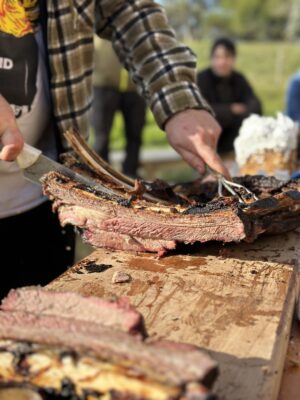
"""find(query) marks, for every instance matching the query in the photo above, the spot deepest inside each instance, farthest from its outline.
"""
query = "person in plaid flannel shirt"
(46, 64)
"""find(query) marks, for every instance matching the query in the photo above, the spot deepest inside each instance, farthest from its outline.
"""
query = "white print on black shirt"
(18, 71)
(6, 63)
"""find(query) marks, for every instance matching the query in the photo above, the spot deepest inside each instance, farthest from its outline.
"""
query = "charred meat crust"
(52, 341)
(105, 222)
(155, 216)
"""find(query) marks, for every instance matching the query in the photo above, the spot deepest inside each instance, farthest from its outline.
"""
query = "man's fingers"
(194, 134)
(9, 152)
(212, 159)
(13, 143)
(214, 139)
(194, 160)
(10, 135)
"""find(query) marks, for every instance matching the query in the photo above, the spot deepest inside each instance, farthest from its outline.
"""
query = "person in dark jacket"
(228, 92)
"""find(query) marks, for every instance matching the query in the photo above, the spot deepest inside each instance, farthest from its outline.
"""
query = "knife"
(34, 165)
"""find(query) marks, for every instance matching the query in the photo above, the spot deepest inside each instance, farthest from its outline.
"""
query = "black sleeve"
(248, 97)
(222, 111)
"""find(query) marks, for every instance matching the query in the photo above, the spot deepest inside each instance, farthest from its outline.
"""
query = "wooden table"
(236, 301)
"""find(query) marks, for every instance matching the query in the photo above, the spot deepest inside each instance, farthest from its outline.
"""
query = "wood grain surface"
(236, 301)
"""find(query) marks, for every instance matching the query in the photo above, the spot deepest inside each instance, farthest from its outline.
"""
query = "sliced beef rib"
(57, 343)
(154, 217)
(118, 314)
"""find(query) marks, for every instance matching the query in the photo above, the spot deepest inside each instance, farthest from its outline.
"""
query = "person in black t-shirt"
(228, 92)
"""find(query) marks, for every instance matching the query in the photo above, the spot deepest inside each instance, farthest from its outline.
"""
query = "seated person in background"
(228, 92)
(113, 91)
(293, 98)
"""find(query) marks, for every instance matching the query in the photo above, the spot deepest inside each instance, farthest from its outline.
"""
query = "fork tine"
(237, 185)
(229, 186)
(231, 190)
(220, 193)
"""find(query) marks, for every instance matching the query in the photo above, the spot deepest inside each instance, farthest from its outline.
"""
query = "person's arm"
(11, 139)
(164, 72)
(293, 99)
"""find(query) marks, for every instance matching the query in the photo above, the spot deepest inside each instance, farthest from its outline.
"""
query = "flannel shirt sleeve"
(163, 70)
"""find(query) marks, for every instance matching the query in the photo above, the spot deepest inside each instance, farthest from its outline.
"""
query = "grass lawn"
(266, 65)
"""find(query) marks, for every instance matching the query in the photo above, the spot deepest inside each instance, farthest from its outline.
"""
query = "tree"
(186, 16)
(243, 19)
(258, 19)
(292, 25)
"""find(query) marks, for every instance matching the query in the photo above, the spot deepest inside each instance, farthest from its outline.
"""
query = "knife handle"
(28, 156)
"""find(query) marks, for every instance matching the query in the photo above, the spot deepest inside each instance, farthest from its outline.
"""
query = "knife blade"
(35, 165)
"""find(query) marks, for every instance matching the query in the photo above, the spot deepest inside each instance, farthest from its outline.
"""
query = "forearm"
(163, 70)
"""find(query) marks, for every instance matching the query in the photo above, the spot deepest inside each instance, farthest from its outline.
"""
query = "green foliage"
(266, 65)
(243, 19)
(257, 19)
(186, 16)
(152, 135)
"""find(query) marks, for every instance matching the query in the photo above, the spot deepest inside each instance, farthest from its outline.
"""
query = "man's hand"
(10, 135)
(194, 135)
(238, 108)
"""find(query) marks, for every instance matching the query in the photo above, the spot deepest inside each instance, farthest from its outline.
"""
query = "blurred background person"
(228, 92)
(293, 98)
(293, 105)
(113, 91)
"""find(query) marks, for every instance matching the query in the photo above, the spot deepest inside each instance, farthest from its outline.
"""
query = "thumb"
(194, 160)
(13, 143)
(212, 159)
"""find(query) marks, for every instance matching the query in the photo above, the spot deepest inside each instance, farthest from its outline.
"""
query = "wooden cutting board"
(236, 301)
(290, 384)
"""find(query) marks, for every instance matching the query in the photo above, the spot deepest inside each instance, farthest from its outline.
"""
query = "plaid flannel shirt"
(163, 69)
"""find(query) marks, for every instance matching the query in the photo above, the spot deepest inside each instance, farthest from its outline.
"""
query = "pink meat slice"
(168, 364)
(36, 300)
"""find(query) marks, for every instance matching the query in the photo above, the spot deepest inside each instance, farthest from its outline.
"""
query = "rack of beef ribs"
(87, 348)
(156, 216)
